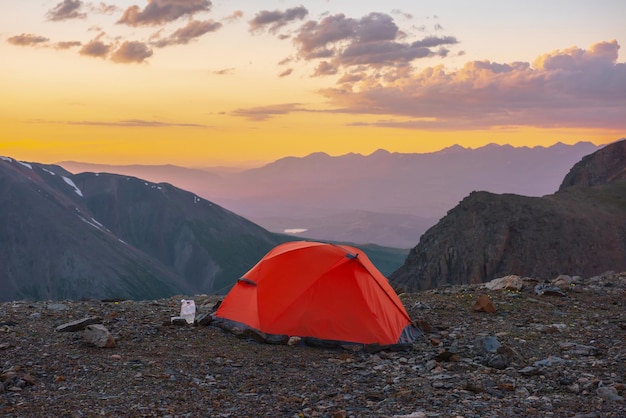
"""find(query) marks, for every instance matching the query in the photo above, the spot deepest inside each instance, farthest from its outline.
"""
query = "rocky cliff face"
(580, 230)
(603, 166)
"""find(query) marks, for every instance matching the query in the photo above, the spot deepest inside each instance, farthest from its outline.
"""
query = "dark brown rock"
(604, 166)
(484, 304)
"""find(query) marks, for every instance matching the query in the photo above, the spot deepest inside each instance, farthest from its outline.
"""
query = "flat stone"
(79, 324)
(578, 349)
(528, 371)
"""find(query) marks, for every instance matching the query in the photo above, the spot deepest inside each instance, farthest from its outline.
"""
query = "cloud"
(136, 123)
(272, 21)
(66, 44)
(405, 15)
(373, 40)
(194, 29)
(224, 71)
(130, 52)
(67, 9)
(285, 73)
(325, 68)
(236, 15)
(27, 39)
(564, 88)
(104, 8)
(95, 48)
(352, 78)
(158, 12)
(262, 113)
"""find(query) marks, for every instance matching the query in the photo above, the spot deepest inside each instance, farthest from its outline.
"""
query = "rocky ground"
(549, 349)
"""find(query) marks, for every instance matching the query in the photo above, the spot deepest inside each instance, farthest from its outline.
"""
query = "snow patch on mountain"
(73, 185)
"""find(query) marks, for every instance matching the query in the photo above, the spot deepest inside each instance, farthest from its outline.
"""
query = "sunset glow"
(201, 83)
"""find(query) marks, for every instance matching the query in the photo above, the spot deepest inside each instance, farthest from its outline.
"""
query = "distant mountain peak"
(452, 149)
(379, 152)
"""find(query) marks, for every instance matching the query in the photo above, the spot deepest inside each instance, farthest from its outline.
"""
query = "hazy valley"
(389, 199)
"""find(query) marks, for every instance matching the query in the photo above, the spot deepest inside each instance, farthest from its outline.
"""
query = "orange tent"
(320, 290)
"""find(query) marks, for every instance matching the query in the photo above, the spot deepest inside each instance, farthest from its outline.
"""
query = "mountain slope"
(580, 230)
(202, 242)
(52, 248)
(107, 236)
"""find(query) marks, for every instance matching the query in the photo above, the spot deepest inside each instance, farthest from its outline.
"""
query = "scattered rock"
(529, 371)
(549, 290)
(204, 319)
(550, 361)
(610, 393)
(484, 304)
(578, 349)
(99, 336)
(511, 283)
(57, 307)
(487, 345)
(412, 415)
(293, 341)
(497, 365)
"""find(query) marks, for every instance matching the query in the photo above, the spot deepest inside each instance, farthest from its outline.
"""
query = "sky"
(242, 82)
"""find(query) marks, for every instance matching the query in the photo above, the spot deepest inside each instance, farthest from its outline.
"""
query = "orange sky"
(204, 83)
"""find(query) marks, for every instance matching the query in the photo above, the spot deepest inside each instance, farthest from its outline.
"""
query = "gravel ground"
(561, 353)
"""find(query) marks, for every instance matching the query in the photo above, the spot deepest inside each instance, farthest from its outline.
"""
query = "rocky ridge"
(578, 230)
(604, 166)
(515, 346)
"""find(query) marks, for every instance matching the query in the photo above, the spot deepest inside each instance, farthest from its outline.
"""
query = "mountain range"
(386, 198)
(580, 230)
(103, 235)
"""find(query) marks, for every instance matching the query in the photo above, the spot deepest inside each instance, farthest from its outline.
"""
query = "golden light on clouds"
(202, 82)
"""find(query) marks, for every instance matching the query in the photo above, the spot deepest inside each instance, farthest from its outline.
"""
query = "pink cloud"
(274, 20)
(67, 44)
(27, 39)
(131, 52)
(67, 9)
(236, 15)
(261, 113)
(572, 87)
(135, 123)
(193, 30)
(158, 12)
(373, 40)
(95, 48)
